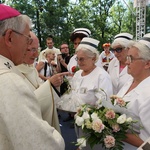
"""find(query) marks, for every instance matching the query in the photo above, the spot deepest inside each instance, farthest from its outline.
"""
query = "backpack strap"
(45, 68)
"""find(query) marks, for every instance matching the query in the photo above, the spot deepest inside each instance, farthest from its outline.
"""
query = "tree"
(92, 14)
(55, 17)
(147, 19)
(105, 18)
(122, 19)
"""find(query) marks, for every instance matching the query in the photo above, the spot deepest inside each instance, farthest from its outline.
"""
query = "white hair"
(143, 50)
(49, 51)
(90, 53)
(16, 23)
(122, 42)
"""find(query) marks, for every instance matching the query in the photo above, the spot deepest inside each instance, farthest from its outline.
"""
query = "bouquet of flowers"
(102, 125)
(74, 69)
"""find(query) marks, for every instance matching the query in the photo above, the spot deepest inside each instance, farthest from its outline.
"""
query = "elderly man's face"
(32, 52)
(19, 43)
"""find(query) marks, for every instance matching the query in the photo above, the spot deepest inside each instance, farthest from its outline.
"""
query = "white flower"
(121, 119)
(94, 116)
(81, 142)
(129, 119)
(85, 115)
(97, 125)
(79, 121)
(104, 124)
(88, 124)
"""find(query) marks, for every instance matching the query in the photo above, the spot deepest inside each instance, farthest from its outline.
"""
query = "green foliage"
(105, 18)
(122, 19)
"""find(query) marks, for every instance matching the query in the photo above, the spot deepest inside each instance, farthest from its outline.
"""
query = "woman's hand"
(133, 139)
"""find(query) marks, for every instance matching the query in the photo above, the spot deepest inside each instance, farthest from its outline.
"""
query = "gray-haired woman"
(117, 67)
(136, 91)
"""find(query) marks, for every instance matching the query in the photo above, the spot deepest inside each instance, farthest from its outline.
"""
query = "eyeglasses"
(33, 50)
(118, 50)
(64, 48)
(29, 39)
(82, 59)
(130, 58)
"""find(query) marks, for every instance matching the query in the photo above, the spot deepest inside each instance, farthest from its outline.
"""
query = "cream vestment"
(44, 93)
(21, 123)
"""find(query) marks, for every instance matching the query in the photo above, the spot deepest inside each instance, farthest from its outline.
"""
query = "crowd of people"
(33, 92)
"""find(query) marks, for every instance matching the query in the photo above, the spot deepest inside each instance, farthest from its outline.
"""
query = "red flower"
(74, 69)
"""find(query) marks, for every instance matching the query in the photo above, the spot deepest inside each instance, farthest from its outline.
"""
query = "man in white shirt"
(50, 45)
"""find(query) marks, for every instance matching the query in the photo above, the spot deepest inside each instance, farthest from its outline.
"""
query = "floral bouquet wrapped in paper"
(102, 125)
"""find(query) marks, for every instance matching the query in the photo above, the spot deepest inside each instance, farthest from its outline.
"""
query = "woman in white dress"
(136, 91)
(117, 67)
(76, 36)
(86, 82)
